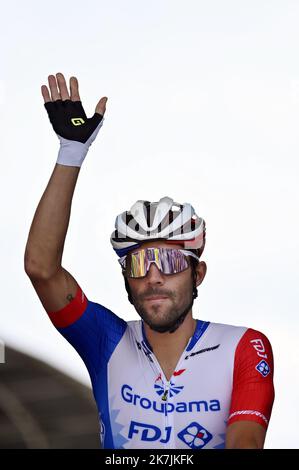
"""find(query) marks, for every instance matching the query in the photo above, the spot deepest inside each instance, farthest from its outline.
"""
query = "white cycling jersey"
(225, 374)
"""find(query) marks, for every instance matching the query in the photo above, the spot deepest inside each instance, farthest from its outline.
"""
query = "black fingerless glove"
(74, 129)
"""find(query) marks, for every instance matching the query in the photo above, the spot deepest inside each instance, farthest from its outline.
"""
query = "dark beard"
(173, 325)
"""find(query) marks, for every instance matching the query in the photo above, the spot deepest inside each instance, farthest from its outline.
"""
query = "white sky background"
(203, 106)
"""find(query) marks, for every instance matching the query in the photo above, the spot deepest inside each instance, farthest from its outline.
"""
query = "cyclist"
(168, 380)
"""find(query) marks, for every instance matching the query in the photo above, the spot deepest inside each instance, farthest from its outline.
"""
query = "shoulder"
(226, 333)
(245, 333)
(81, 310)
(85, 314)
(245, 340)
(105, 314)
(255, 340)
(254, 347)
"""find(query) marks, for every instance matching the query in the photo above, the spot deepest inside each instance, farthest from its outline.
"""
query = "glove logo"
(77, 121)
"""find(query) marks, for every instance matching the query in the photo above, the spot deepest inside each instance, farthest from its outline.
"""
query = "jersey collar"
(201, 327)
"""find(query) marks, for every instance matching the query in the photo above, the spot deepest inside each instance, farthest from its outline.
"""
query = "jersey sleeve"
(253, 389)
(92, 329)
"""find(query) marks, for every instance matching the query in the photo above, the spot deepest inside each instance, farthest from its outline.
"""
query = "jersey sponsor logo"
(166, 408)
(173, 389)
(77, 121)
(145, 350)
(263, 368)
(195, 436)
(178, 372)
(149, 432)
(248, 412)
(158, 378)
(175, 374)
(259, 347)
(212, 348)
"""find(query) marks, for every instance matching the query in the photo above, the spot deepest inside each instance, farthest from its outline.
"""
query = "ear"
(201, 270)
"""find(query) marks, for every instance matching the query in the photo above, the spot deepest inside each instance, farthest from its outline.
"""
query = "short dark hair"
(193, 264)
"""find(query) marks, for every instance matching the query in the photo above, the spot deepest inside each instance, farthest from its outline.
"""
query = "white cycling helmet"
(166, 220)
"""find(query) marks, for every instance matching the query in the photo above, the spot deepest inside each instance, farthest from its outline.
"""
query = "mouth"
(156, 297)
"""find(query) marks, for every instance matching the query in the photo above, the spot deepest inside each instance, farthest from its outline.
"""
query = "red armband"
(71, 312)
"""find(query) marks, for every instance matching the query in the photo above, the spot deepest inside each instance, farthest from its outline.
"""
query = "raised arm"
(44, 249)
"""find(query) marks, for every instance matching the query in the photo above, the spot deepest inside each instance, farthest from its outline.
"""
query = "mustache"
(151, 293)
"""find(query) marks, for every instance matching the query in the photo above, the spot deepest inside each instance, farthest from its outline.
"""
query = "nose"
(154, 275)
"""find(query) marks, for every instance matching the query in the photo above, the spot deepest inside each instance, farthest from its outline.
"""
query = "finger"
(74, 87)
(101, 106)
(45, 93)
(55, 95)
(62, 86)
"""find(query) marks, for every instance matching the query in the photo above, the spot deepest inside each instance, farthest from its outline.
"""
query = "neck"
(167, 345)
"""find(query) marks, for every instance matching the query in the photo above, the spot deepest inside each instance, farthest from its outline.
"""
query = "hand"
(69, 120)
(62, 92)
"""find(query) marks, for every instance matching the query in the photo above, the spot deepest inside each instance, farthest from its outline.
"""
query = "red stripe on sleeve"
(253, 389)
(71, 312)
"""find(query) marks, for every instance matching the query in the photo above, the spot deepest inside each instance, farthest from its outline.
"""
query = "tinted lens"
(173, 261)
(136, 264)
(169, 261)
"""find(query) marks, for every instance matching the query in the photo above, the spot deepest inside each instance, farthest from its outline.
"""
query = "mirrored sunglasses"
(168, 260)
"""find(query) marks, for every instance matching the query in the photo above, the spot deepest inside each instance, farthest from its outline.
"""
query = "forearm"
(245, 444)
(48, 230)
(245, 435)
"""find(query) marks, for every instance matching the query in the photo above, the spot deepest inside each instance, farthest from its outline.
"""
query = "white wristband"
(72, 152)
